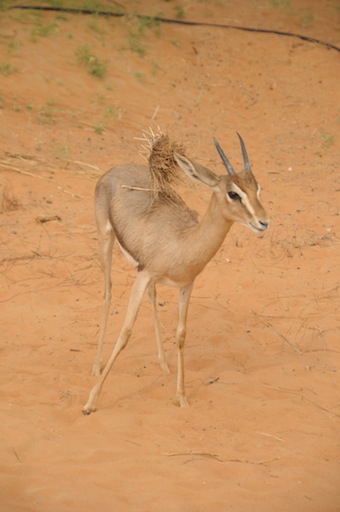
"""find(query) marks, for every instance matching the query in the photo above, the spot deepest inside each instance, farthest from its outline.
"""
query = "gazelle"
(162, 237)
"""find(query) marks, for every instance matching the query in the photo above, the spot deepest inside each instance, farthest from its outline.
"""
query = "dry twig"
(282, 336)
(216, 457)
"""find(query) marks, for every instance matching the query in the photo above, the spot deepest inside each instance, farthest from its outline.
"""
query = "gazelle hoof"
(165, 367)
(96, 370)
(183, 402)
(87, 410)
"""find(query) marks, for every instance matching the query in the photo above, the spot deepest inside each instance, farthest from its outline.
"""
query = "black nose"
(264, 224)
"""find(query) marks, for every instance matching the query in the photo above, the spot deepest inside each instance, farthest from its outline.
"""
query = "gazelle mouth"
(258, 229)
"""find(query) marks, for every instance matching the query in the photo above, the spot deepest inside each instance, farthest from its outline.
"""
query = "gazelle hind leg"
(106, 238)
(136, 296)
(184, 298)
(161, 353)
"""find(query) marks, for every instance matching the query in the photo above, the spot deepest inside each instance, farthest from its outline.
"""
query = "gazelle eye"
(234, 196)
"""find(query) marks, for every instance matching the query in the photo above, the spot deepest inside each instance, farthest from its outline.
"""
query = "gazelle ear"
(197, 171)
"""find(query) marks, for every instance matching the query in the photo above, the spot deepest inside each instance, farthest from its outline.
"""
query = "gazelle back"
(163, 238)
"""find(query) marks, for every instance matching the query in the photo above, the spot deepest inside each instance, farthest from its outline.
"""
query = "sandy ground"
(262, 356)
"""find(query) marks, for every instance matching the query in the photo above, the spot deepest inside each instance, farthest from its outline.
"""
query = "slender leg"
(136, 296)
(105, 242)
(184, 298)
(161, 353)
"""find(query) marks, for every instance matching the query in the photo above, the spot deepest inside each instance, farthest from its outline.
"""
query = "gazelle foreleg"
(161, 353)
(136, 296)
(105, 245)
(183, 303)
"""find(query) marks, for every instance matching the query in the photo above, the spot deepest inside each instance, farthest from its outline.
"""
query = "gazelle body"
(164, 239)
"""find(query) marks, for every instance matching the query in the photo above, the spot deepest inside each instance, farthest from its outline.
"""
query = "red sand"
(262, 356)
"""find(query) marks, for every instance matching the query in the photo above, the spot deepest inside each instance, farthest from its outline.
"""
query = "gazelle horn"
(244, 153)
(224, 158)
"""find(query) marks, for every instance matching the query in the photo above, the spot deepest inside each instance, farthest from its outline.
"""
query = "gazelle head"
(238, 193)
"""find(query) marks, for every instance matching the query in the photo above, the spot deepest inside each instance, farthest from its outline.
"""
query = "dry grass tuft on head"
(164, 170)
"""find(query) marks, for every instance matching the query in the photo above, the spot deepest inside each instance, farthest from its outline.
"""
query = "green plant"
(98, 100)
(94, 25)
(136, 30)
(99, 128)
(307, 19)
(176, 42)
(135, 44)
(155, 68)
(61, 151)
(92, 5)
(148, 24)
(283, 4)
(139, 76)
(46, 114)
(109, 113)
(26, 16)
(7, 69)
(44, 30)
(327, 139)
(62, 16)
(93, 65)
(179, 12)
(13, 46)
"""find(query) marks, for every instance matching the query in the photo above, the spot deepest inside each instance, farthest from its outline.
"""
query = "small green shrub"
(7, 69)
(42, 30)
(179, 12)
(93, 65)
(327, 139)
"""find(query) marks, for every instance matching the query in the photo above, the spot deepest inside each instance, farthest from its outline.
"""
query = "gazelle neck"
(208, 236)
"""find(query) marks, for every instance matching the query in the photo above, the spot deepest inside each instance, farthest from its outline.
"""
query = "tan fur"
(164, 237)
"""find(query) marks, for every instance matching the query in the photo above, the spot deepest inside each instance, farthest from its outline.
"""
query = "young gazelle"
(162, 237)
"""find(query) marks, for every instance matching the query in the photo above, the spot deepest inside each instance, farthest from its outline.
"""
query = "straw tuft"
(159, 150)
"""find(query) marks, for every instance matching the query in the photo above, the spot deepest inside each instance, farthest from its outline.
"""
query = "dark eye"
(234, 196)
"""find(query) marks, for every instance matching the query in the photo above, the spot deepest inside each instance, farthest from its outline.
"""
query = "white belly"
(128, 256)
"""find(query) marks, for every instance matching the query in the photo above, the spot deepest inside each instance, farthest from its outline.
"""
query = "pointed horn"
(245, 155)
(224, 158)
